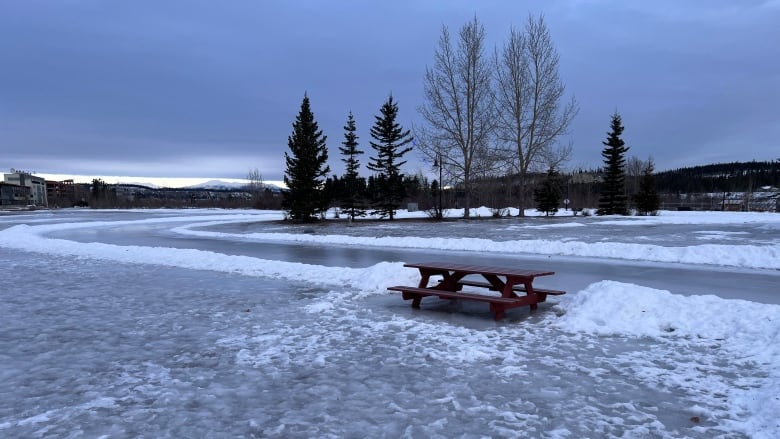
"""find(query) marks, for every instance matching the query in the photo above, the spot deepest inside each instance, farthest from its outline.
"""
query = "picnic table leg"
(498, 311)
(508, 290)
(415, 298)
(529, 288)
(425, 276)
(499, 285)
(450, 281)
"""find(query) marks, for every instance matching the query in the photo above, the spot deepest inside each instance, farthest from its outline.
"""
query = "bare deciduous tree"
(529, 93)
(255, 187)
(635, 169)
(459, 107)
(255, 180)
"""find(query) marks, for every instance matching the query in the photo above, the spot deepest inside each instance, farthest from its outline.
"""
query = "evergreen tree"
(390, 147)
(647, 200)
(98, 188)
(98, 194)
(305, 197)
(612, 200)
(334, 188)
(354, 187)
(372, 188)
(548, 195)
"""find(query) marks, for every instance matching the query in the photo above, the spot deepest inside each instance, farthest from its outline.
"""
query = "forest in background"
(723, 177)
(705, 187)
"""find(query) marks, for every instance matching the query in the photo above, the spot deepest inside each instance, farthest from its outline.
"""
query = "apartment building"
(14, 195)
(36, 185)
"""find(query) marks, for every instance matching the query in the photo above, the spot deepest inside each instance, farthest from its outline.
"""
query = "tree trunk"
(521, 194)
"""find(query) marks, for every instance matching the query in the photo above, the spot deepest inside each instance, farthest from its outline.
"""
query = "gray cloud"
(200, 88)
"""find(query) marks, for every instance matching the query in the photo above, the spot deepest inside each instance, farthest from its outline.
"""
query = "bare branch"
(255, 180)
(529, 91)
(458, 108)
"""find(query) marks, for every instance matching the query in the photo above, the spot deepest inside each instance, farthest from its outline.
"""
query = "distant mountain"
(217, 184)
(147, 185)
(233, 186)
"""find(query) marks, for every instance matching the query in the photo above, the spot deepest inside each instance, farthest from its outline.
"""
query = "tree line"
(307, 199)
(722, 177)
(486, 114)
(615, 198)
(311, 193)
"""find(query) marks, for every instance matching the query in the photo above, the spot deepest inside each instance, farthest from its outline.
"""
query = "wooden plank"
(498, 305)
(549, 292)
(478, 269)
(453, 295)
(475, 283)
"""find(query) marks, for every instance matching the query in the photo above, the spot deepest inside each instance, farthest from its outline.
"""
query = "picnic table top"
(479, 269)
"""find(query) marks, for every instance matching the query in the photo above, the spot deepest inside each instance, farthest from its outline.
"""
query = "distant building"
(765, 200)
(66, 193)
(37, 186)
(14, 195)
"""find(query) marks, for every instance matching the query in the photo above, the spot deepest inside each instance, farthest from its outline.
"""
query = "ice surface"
(99, 339)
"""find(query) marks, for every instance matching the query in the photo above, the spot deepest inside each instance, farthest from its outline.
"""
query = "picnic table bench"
(507, 281)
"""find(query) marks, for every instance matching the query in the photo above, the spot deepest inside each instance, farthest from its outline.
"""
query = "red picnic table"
(507, 281)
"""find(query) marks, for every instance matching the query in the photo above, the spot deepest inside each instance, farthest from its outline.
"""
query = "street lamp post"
(438, 164)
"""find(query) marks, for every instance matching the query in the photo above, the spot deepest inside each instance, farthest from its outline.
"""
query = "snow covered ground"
(103, 337)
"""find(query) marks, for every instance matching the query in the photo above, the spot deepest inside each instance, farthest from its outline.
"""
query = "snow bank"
(609, 308)
(748, 331)
(367, 280)
(663, 217)
(747, 256)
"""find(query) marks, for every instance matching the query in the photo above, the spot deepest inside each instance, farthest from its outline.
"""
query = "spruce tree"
(99, 194)
(354, 188)
(548, 195)
(305, 198)
(647, 200)
(612, 200)
(390, 147)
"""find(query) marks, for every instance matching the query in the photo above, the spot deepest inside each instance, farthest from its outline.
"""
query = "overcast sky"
(210, 89)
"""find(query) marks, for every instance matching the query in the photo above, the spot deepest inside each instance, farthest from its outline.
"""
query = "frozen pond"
(120, 324)
(564, 228)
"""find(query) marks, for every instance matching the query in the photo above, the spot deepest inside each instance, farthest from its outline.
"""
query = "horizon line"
(162, 182)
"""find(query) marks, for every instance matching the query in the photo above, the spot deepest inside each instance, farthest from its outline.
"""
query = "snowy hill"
(233, 185)
(139, 183)
(218, 184)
